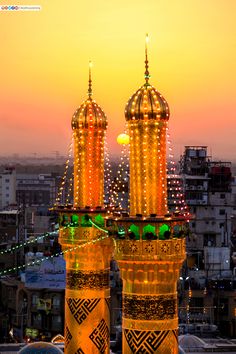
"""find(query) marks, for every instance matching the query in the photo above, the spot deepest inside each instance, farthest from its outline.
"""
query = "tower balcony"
(151, 250)
(153, 238)
(81, 225)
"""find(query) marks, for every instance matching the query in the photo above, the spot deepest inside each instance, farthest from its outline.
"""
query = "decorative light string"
(17, 247)
(175, 182)
(77, 140)
(122, 178)
(38, 261)
(98, 227)
(64, 177)
(188, 304)
(69, 195)
(108, 192)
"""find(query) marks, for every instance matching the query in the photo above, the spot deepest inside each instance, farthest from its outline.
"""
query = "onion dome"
(181, 351)
(147, 102)
(40, 348)
(190, 342)
(89, 114)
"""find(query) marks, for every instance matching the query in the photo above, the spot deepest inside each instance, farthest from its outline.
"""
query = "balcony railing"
(173, 249)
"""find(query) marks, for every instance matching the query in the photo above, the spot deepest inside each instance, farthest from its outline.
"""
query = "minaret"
(147, 114)
(150, 247)
(87, 317)
(89, 124)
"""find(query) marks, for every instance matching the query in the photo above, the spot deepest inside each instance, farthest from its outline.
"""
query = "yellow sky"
(44, 69)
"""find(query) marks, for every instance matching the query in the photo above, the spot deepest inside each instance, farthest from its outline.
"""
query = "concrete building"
(7, 187)
(34, 313)
(27, 189)
(36, 189)
(11, 233)
(208, 279)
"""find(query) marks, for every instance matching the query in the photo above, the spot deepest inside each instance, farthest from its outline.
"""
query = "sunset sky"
(44, 69)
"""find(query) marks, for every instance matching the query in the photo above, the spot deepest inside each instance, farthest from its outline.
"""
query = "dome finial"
(90, 80)
(146, 74)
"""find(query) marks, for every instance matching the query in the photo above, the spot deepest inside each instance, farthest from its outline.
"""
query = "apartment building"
(208, 277)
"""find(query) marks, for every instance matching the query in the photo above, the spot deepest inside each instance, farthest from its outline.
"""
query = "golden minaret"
(150, 247)
(87, 295)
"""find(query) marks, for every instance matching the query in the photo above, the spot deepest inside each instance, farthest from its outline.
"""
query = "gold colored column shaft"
(149, 270)
(88, 167)
(87, 296)
(150, 317)
(148, 189)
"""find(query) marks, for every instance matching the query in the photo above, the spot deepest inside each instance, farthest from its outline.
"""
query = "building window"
(35, 299)
(222, 306)
(222, 212)
(36, 319)
(35, 249)
(56, 319)
(56, 302)
(209, 240)
(7, 180)
(26, 249)
(10, 294)
(56, 322)
(196, 302)
(222, 196)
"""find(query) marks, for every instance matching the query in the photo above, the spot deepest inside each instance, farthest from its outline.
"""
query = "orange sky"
(44, 69)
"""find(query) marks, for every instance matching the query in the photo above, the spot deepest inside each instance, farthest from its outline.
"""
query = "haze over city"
(44, 70)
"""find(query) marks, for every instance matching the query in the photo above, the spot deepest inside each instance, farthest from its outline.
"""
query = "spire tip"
(90, 80)
(146, 74)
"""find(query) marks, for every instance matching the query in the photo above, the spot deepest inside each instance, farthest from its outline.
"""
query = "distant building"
(22, 225)
(34, 313)
(36, 189)
(7, 187)
(11, 233)
(34, 308)
(27, 189)
(208, 281)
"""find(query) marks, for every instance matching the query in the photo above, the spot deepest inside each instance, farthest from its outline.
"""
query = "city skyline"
(44, 70)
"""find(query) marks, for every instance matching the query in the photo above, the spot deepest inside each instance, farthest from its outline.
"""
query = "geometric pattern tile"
(156, 247)
(100, 336)
(76, 280)
(165, 248)
(146, 307)
(170, 343)
(68, 336)
(80, 351)
(81, 308)
(108, 302)
(147, 342)
(175, 332)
